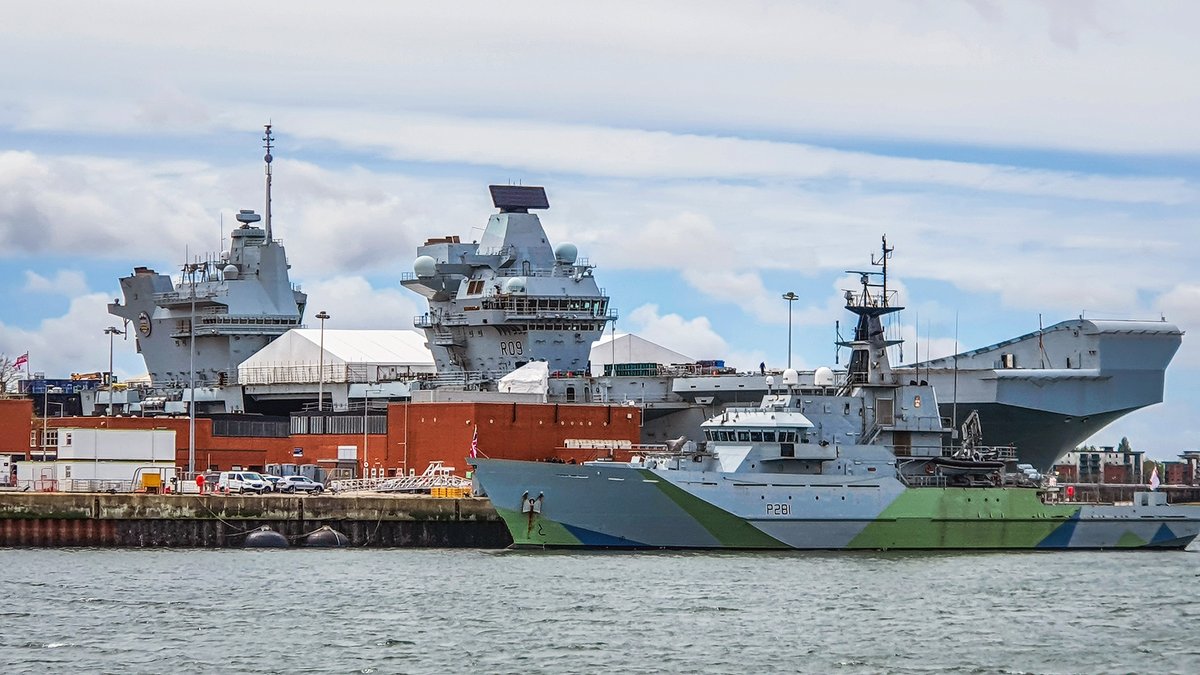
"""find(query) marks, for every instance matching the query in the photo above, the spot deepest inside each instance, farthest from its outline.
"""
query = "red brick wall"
(1117, 474)
(442, 431)
(435, 431)
(16, 421)
(1067, 473)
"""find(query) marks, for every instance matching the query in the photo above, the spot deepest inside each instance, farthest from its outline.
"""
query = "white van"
(239, 482)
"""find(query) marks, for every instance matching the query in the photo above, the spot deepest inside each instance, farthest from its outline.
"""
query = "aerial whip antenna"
(267, 158)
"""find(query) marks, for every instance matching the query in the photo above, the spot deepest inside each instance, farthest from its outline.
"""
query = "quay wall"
(217, 521)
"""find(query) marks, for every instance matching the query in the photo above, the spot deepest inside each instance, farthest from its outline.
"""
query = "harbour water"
(417, 611)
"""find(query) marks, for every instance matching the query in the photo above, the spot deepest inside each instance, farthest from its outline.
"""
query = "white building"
(349, 356)
(100, 459)
(629, 348)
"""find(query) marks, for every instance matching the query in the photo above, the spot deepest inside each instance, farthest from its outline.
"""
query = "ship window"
(885, 413)
(756, 436)
(570, 394)
(743, 436)
(769, 435)
(723, 436)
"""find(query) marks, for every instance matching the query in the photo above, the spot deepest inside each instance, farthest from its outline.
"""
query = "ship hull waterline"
(618, 507)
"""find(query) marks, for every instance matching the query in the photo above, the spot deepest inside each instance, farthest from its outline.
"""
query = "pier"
(34, 519)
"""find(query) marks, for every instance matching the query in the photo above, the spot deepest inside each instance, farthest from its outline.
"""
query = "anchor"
(532, 506)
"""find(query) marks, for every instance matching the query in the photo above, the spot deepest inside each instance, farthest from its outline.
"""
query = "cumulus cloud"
(73, 342)
(694, 337)
(352, 302)
(63, 282)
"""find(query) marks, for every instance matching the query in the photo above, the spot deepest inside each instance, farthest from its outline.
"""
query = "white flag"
(1154, 483)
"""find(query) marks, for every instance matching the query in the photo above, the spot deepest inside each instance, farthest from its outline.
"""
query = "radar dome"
(566, 253)
(823, 377)
(230, 272)
(425, 266)
(790, 377)
(515, 285)
(770, 382)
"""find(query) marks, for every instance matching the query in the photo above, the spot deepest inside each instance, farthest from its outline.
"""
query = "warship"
(860, 465)
(193, 333)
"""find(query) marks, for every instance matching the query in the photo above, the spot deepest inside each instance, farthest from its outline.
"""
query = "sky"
(1029, 161)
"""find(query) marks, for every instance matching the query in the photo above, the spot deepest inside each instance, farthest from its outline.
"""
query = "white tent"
(531, 378)
(629, 348)
(350, 356)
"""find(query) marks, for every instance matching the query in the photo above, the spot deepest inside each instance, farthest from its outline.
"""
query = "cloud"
(73, 342)
(1023, 75)
(694, 337)
(64, 282)
(353, 303)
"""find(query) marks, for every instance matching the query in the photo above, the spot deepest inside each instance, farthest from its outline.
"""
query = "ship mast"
(267, 158)
(868, 357)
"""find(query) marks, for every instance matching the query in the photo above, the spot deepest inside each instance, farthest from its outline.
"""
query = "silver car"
(292, 484)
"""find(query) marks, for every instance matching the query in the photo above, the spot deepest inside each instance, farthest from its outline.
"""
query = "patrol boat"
(860, 465)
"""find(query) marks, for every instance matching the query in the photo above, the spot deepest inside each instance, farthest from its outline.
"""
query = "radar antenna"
(267, 158)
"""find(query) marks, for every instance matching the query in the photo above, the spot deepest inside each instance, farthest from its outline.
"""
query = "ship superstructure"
(508, 299)
(194, 331)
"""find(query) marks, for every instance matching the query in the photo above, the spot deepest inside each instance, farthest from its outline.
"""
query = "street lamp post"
(322, 315)
(790, 297)
(366, 406)
(111, 331)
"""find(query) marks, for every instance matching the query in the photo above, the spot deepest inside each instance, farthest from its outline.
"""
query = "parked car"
(240, 482)
(292, 484)
(274, 483)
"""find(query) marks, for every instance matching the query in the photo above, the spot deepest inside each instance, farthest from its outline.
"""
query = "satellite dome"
(770, 382)
(515, 285)
(823, 377)
(230, 272)
(425, 266)
(566, 253)
(790, 377)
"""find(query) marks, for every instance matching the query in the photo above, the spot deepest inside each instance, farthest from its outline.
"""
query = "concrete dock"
(216, 521)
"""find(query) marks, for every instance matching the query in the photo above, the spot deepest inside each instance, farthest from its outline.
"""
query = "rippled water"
(385, 611)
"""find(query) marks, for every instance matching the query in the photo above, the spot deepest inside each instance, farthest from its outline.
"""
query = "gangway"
(437, 474)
